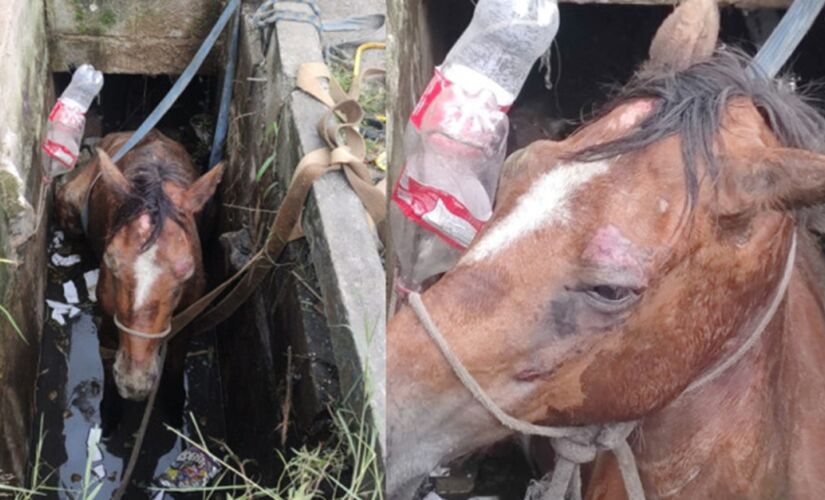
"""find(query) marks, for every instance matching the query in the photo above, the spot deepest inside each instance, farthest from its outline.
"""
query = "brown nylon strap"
(345, 150)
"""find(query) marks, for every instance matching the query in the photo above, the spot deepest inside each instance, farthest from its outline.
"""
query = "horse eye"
(612, 296)
(612, 293)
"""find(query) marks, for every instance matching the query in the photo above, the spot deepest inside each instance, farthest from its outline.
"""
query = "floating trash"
(192, 469)
(60, 310)
(65, 261)
(91, 277)
(70, 292)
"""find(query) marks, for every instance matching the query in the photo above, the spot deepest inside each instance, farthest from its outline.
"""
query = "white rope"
(140, 334)
(577, 445)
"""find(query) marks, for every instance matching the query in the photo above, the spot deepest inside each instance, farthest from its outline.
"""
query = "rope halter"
(577, 445)
(142, 335)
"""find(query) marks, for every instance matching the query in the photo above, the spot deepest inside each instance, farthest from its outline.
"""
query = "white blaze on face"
(545, 203)
(147, 272)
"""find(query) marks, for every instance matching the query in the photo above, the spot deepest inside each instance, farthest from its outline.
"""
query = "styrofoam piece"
(70, 292)
(91, 277)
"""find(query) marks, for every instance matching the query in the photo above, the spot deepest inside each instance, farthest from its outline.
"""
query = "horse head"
(619, 264)
(152, 260)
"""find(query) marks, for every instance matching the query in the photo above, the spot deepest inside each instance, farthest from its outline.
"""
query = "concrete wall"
(128, 36)
(325, 299)
(25, 88)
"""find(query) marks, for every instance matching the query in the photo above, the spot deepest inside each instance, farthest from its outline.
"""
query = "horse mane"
(147, 196)
(691, 102)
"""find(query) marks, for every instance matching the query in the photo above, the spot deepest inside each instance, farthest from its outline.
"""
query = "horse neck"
(756, 428)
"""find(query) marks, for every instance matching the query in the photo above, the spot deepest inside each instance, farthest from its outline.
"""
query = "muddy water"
(80, 432)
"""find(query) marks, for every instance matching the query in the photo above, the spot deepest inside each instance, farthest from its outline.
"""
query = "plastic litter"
(70, 292)
(68, 119)
(455, 141)
(191, 469)
(65, 261)
(91, 278)
(60, 311)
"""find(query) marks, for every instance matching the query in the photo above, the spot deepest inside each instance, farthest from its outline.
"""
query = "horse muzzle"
(135, 380)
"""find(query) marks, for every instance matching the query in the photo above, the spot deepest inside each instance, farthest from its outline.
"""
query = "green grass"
(345, 467)
(5, 312)
(38, 487)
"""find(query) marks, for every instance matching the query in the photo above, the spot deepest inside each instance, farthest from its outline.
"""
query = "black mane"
(147, 196)
(690, 103)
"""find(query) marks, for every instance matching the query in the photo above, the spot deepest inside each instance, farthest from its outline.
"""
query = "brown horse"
(652, 267)
(141, 222)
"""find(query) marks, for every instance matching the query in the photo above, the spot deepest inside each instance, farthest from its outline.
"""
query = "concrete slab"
(122, 36)
(349, 269)
(330, 311)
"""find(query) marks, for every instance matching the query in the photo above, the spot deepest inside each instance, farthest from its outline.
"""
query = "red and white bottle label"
(72, 117)
(437, 85)
(60, 153)
(436, 211)
(434, 88)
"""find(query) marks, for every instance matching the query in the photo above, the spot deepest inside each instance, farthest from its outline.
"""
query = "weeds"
(345, 467)
(5, 312)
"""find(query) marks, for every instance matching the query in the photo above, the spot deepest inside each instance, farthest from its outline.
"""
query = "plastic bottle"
(455, 141)
(68, 118)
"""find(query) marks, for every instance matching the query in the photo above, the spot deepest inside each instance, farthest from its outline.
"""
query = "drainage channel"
(83, 431)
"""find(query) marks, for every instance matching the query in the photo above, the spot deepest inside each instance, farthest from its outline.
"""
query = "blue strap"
(221, 127)
(167, 102)
(181, 83)
(784, 39)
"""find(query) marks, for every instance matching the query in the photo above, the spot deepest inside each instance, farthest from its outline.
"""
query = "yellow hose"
(356, 66)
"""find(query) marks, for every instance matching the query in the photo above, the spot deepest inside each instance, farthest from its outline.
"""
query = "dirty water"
(500, 472)
(85, 441)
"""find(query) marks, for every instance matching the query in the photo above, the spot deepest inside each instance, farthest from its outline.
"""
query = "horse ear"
(686, 37)
(776, 178)
(199, 193)
(111, 175)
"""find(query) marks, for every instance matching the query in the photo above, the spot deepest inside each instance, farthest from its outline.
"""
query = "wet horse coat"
(621, 265)
(142, 225)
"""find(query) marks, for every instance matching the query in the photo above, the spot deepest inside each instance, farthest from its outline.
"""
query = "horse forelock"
(691, 104)
(147, 196)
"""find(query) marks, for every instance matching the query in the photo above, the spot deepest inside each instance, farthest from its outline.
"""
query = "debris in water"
(433, 496)
(192, 469)
(65, 261)
(92, 443)
(60, 310)
(84, 397)
(440, 472)
(99, 470)
(57, 241)
(91, 277)
(70, 292)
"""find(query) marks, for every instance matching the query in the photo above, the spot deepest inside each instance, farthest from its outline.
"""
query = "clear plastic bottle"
(68, 118)
(456, 138)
